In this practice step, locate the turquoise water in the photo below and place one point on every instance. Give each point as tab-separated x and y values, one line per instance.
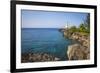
44	40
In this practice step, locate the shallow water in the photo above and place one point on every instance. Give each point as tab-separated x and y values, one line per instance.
45	40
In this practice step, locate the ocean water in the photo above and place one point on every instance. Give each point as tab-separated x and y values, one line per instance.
45	40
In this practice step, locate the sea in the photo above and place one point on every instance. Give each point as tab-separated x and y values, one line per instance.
45	40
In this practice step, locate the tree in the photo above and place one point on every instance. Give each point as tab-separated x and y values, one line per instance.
82	28
73	29
87	22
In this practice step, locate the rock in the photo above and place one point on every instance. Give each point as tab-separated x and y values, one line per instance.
80	50
46	57
86	43
76	52
38	57
56	59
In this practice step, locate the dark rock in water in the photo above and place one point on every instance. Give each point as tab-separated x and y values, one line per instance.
61	29
77	52
38	57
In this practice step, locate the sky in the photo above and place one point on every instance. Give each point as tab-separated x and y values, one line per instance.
50	19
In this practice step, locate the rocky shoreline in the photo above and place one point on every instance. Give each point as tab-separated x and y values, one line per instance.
78	51
37	57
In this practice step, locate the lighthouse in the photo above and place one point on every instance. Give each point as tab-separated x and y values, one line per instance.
66	26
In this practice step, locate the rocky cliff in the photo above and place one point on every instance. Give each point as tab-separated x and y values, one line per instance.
77	52
81	50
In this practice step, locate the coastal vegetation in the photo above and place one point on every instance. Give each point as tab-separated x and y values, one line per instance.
83	28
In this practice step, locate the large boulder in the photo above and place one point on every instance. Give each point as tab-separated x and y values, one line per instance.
77	52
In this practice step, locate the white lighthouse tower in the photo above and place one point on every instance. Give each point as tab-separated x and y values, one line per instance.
66	26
